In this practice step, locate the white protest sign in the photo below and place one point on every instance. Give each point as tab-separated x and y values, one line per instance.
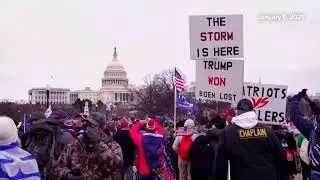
219	80
269	101
48	112
218	36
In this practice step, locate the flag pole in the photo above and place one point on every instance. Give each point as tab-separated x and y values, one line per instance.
175	104
259	79
24	123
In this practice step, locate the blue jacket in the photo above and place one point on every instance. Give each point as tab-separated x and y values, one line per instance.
309	129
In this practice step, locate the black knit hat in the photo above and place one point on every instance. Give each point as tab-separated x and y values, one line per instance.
245	105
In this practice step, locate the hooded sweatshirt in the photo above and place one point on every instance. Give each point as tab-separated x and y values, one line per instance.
253	150
15	162
246	120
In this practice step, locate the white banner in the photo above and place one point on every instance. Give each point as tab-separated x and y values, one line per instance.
219	80
269	101
218	36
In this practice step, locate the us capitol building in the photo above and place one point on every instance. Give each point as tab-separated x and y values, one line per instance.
114	89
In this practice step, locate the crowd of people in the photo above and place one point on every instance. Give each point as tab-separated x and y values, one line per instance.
210	147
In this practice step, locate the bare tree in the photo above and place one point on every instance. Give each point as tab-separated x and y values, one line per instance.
156	95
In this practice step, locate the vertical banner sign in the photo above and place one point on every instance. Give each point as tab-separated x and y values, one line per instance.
219	80
269	101
217	36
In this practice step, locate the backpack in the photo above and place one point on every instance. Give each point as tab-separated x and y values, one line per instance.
44	144
185	146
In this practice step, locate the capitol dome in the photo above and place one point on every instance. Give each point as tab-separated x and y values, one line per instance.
115	75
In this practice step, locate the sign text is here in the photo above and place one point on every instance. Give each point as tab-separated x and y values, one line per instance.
218	36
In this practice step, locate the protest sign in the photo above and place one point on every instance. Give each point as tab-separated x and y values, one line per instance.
219	80
269	101
218	36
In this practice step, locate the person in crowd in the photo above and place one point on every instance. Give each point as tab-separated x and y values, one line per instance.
310	129
16	163
66	136
107	138
128	148
28	121
213	134
181	122
67	126
153	156
90	157
116	128
79	124
173	154
228	114
304	158
288	143
20	128
212	116
181	146
133	120
252	149
200	155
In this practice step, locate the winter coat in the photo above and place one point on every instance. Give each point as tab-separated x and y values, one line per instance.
253	150
128	147
105	160
213	135
136	136
201	157
309	129
288	143
66	137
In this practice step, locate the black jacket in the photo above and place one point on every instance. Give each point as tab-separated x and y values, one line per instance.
289	144
254	153
127	146
214	134
201	157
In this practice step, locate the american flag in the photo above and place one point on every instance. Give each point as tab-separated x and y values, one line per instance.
179	82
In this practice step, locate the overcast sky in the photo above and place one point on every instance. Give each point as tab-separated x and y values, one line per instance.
73	41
